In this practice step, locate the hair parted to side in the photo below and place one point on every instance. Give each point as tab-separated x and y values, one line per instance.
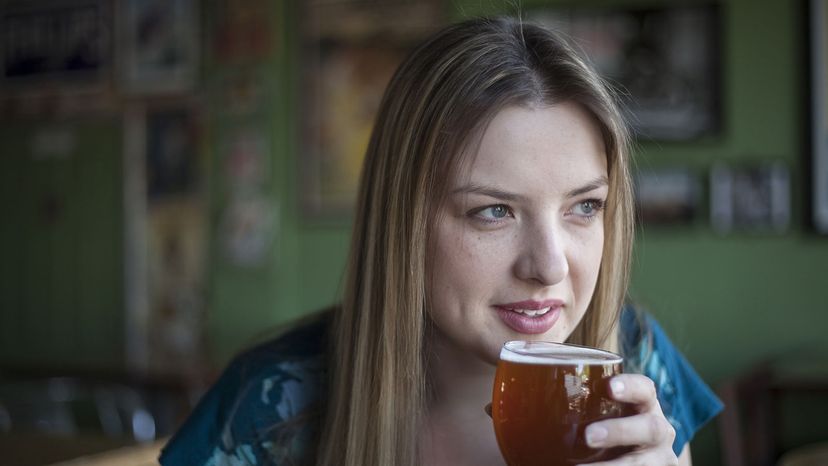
438	101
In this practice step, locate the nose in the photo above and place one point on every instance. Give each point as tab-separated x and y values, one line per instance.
543	256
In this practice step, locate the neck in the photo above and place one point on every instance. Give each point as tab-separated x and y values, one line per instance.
457	378
457	429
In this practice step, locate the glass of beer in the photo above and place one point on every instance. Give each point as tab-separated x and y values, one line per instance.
545	395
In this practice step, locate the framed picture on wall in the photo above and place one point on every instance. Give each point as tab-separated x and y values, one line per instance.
668	196
664	60
351	50
159	46
818	104
750	199
61	43
166	238
172	154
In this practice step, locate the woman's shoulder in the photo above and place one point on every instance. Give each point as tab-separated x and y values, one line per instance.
687	401
262	409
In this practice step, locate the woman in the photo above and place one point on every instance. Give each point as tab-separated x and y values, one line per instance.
494	204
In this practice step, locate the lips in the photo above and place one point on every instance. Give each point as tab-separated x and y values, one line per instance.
530	317
532	313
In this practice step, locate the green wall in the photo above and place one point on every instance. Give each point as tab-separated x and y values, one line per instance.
246	303
61	291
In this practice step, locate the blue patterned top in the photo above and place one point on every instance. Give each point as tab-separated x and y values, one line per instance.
264	408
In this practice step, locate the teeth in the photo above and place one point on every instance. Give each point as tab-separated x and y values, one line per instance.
532	313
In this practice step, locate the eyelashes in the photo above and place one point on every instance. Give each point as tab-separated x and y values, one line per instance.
590	208
585	210
492	213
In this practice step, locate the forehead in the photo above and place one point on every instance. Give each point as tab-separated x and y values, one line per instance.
546	147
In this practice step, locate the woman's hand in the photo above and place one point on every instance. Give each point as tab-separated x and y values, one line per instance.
649	431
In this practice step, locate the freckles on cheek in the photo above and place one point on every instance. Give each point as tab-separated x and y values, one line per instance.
471	254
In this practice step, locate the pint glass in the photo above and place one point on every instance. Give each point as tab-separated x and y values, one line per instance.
545	395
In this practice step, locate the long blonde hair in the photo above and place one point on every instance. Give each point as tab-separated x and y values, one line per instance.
434	107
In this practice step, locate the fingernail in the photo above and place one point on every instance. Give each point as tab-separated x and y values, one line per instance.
617	387
595	435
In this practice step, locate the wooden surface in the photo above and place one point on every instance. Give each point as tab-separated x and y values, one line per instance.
136	455
38	449
810	455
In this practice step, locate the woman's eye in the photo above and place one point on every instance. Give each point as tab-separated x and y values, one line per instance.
589	207
495	212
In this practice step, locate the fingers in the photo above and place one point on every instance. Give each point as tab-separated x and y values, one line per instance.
488	409
649	431
642	458
644	430
636	389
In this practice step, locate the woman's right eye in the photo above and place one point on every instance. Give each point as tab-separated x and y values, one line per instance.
492	213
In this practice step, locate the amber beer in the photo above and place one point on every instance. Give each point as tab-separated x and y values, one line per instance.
545	394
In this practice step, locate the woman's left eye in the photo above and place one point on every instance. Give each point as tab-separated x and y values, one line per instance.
588	208
493	213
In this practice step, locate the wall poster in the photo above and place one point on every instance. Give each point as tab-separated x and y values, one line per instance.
819	114
664	61
352	48
159	45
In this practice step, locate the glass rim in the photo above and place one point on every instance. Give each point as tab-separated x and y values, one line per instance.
549	352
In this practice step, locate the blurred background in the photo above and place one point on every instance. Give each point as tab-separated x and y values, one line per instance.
177	178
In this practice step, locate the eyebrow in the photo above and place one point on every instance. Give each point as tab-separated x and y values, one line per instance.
488	191
597	183
496	193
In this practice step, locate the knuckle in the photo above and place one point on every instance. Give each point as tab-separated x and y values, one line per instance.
657	428
650	387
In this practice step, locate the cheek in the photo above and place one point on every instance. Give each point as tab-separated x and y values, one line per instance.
590	261
465	268
584	276
452	262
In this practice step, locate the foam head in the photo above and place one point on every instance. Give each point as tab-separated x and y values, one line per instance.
545	352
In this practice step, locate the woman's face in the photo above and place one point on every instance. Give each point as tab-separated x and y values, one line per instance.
517	253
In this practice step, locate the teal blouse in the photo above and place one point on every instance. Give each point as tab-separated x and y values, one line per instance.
264	409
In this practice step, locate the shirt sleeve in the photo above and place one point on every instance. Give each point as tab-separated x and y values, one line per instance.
688	403
209	436
255	414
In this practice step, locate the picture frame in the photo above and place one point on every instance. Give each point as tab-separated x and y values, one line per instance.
242	32
664	62
166	227
58	45
750	198
337	135
351	48
668	196
818	117
172	158
159	46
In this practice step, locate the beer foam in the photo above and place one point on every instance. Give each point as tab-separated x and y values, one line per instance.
542	352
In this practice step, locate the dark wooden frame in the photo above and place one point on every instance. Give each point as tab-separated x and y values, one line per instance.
83	64
677	101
